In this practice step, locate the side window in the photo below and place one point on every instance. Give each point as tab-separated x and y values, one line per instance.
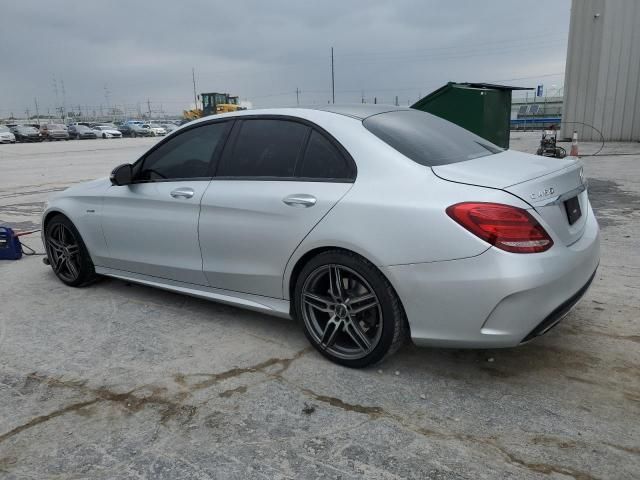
187	155
323	160
264	148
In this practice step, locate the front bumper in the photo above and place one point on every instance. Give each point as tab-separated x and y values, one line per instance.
495	299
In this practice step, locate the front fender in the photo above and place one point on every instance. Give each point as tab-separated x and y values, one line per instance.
82	204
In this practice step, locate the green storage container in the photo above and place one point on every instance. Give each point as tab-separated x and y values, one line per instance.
481	108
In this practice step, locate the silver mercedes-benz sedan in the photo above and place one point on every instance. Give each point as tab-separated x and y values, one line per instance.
369	224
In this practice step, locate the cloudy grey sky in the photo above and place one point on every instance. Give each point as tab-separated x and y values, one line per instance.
264	50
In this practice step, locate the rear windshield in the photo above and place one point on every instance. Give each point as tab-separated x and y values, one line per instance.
427	139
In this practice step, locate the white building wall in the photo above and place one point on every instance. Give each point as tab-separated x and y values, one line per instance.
602	74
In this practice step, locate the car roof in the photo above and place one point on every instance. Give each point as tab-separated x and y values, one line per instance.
359	110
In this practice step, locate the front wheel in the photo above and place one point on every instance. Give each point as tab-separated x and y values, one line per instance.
67	253
349	310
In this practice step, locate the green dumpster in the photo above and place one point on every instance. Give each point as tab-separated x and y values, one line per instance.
481	108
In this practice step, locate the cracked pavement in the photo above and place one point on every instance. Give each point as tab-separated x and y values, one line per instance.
124	381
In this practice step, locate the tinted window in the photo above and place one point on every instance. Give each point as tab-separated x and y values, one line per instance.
187	155
427	139
264	148
323	160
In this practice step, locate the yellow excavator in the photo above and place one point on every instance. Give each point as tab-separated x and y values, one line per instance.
212	104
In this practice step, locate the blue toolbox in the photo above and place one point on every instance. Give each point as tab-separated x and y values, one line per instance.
10	248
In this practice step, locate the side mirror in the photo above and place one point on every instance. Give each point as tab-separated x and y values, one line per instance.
122	175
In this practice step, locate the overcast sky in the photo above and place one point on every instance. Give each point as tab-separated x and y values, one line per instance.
130	52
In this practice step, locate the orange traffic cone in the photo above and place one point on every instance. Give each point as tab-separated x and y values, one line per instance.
574	145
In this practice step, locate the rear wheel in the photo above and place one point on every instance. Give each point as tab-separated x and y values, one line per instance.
67	253
349	310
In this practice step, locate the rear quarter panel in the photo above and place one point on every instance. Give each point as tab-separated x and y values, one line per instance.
395	212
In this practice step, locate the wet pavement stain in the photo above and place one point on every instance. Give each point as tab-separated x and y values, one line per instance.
611	202
238	390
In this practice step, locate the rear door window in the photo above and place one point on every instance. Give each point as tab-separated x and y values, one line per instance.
322	160
427	139
264	148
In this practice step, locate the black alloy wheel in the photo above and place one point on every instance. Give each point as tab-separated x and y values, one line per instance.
349	311
67	253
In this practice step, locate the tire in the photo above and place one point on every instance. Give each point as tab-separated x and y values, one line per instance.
104	136
72	266
133	135
334	319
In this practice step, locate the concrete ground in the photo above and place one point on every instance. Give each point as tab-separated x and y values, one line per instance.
123	381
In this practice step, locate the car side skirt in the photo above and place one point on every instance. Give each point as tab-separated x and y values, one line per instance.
271	306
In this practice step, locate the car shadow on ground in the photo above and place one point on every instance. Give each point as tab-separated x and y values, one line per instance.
547	355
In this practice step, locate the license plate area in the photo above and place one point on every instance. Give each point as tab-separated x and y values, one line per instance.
572	207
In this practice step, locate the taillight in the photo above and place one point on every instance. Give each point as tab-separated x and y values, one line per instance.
503	226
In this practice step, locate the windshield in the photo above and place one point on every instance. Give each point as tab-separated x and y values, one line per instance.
55	127
27	129
82	128
427	139
4	129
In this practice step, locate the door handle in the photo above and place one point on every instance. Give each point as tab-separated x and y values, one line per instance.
300	200
182	192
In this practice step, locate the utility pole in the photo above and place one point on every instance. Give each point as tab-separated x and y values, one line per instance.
297	96
195	96
27	112
362	96
333	84
55	90
64	97
396	100
149	108
35	100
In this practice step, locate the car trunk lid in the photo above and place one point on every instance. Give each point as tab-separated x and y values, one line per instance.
555	188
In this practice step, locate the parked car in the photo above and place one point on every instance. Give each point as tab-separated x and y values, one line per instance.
169	127
157	130
81	132
25	133
6	136
140	130
54	131
124	129
368	223
107	131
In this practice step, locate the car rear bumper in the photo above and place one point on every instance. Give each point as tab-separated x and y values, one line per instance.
495	299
